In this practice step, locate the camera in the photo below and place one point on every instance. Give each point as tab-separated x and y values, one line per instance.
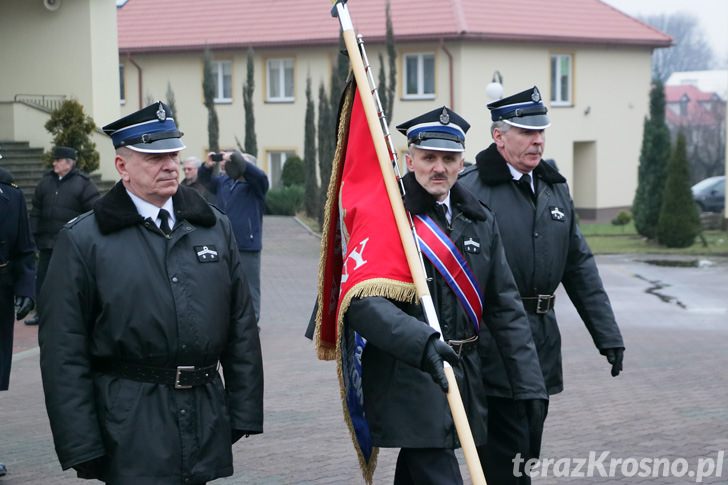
216	157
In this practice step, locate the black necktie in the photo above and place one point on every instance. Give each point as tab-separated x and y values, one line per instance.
164	224
441	211
524	183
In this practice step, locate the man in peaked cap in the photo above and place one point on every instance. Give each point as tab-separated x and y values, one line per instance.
544	248
144	300
63	193
404	383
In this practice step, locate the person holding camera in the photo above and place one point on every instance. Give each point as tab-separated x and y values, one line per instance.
240	187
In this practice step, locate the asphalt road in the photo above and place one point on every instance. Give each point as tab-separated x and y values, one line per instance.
670	403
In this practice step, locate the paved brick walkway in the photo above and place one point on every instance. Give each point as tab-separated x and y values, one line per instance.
671	402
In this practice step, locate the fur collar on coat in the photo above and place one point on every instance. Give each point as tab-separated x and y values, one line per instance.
116	211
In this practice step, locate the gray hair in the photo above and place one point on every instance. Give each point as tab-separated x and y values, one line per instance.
501	126
196	162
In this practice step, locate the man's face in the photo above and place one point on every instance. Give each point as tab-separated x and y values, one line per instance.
435	170
520	147
190	172
150	176
61	166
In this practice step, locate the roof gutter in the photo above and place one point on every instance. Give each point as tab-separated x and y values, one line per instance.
449	73
139	77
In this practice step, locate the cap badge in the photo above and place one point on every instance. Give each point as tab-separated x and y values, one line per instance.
161	114
536	96
444	117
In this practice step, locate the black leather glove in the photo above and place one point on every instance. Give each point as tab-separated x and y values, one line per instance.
91	469
615	356
534	411
23	306
435	352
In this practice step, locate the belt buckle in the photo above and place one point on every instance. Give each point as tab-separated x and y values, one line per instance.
178	376
542	303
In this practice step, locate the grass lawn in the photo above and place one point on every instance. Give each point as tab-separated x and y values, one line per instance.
611	239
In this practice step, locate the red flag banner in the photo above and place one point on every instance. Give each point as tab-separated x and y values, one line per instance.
361	255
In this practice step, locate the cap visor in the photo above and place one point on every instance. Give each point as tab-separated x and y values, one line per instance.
441	145
538	122
160	146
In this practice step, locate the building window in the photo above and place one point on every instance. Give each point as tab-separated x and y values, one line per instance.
280	80
684	101
223	78
276	161
419	76
122	86
561	80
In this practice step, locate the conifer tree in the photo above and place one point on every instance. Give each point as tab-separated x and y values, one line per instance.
311	198
392	57
171	103
678	222
654	156
251	140
326	146
71	127
208	90
339	75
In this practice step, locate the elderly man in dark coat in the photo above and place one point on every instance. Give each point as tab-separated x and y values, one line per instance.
144	300
62	194
544	248
403	406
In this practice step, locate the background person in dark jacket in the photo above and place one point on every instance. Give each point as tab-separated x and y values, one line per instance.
17	271
190	166
240	194
62	194
144	298
544	247
403	377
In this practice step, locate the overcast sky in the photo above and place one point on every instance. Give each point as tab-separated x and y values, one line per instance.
712	15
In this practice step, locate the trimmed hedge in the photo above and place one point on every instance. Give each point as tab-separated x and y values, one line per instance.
284	201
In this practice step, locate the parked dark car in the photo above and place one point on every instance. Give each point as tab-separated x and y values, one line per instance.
709	194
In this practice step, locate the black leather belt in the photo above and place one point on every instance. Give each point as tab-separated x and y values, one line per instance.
539	304
459	345
180	377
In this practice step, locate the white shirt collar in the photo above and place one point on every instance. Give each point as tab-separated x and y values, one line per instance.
517	175
151	211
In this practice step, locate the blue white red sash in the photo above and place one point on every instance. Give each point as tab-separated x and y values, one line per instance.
445	257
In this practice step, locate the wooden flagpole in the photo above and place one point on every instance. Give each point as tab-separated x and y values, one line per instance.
407	235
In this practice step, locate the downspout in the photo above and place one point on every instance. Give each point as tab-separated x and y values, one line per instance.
450	73
139	77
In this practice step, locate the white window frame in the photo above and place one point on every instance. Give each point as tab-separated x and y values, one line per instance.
218	71
276	69
557	74
284	155
420	94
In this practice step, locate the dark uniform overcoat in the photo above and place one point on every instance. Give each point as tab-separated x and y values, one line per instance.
57	201
17	266
118	290
403	405
544	248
